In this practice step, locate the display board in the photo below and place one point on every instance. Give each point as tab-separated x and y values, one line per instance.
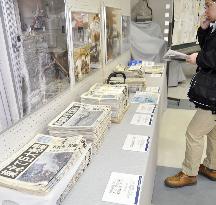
185	26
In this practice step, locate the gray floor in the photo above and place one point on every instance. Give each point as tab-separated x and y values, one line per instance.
171	150
204	193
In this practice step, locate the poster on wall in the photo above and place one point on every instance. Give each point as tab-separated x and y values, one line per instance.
81	61
86	34
113	34
41	69
185	26
125	33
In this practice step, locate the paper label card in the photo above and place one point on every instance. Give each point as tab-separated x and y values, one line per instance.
148	63
155	75
166	39
167	15
166	23
123	189
146	108
153	89
146	97
167	6
166	31
136	143
142	119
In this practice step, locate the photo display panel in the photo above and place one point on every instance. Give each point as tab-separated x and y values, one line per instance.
113	33
86	32
125	33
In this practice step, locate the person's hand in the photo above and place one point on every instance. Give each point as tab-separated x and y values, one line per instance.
192	58
204	22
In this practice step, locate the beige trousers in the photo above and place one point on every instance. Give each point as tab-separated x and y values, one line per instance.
203	123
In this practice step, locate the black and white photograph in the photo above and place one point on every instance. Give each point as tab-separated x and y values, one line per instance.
113	34
45	168
126	20
84	118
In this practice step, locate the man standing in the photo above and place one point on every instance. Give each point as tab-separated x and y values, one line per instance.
203	123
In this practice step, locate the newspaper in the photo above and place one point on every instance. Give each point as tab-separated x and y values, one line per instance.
78	171
154	68
135	77
41	164
172	55
90	121
134	71
104	94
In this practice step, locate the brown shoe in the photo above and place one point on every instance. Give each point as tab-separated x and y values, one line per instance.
180	180
209	173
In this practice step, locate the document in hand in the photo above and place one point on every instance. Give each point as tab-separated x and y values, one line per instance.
172	55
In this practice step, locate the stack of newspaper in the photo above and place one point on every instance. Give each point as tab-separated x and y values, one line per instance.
105	94
43	162
135	77
152	67
90	121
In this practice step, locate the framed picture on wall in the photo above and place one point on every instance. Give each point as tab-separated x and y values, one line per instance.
125	23
86	35
112	33
37	44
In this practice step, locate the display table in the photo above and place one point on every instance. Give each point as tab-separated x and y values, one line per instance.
90	188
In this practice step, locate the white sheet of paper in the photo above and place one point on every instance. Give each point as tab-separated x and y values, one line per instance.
166	23
167	6
166	15
146	98
166	39
148	63
155	75
123	189
146	109
142	119
166	31
153	89
136	143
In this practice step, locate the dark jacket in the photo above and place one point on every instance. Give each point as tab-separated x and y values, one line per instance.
202	91
206	59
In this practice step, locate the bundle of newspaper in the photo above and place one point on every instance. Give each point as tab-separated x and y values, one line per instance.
135	77
43	162
90	121
152	67
105	94
133	71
